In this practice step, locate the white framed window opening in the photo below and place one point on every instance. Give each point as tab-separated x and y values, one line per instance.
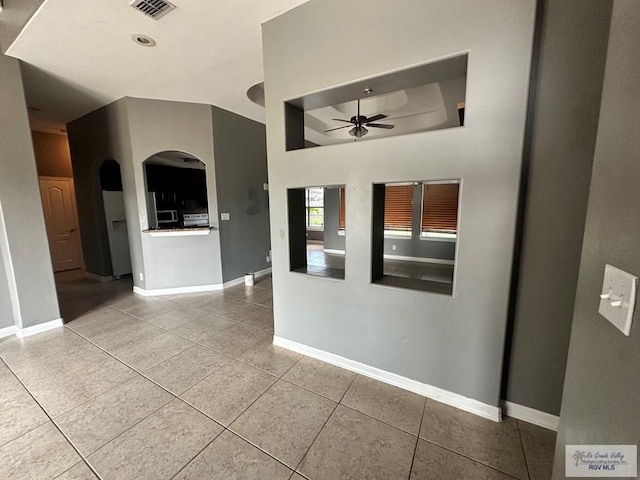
314	208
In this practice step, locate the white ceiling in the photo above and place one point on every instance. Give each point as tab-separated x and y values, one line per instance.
80	56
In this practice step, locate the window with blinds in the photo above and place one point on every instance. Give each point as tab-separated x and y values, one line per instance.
440	208
398	208
341	216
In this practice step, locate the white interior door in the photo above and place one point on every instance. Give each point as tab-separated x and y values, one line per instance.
58	201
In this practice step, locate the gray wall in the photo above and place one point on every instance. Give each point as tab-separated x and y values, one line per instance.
98	136
566	104
332	240
169	262
15	15
23	238
241	170
453	342
6	309
601	395
130	131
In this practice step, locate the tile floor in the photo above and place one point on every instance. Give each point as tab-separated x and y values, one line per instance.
190	387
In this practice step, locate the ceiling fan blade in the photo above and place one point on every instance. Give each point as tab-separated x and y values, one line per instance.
341	120
337	128
380	125
379	116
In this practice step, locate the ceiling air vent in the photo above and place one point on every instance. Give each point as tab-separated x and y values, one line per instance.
153	8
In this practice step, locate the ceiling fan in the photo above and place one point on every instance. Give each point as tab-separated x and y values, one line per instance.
359	123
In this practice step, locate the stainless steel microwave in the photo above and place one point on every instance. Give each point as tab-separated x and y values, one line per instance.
167	216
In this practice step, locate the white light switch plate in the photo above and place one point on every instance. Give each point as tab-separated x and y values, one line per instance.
225	216
618	286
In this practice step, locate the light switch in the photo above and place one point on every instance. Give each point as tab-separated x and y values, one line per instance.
225	216
618	297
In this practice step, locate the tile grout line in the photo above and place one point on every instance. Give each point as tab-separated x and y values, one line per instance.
53	422
190	405
197	454
415	449
325	424
524	453
469	458
176	397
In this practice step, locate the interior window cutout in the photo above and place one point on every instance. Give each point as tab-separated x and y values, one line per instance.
415	230
422	98
176	191
317	231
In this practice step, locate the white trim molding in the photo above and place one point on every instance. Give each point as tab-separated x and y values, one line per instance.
176	290
7	331
435	393
41	327
439	261
527	414
333	250
196	288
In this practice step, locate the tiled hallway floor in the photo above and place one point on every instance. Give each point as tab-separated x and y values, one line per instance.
190	387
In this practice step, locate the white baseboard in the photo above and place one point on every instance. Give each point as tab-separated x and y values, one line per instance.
332	250
176	290
99	278
7	331
42	327
527	414
196	288
454	399
439	261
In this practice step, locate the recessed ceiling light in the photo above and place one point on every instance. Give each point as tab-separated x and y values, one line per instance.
144	40
368	91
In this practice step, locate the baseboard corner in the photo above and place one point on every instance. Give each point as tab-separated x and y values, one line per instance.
531	415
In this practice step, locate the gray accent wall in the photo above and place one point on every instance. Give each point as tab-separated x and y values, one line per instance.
6	308
601	395
332	240
241	170
15	15
170	262
562	136
130	131
98	136
27	267
452	342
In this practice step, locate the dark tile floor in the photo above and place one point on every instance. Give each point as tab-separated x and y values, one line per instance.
191	387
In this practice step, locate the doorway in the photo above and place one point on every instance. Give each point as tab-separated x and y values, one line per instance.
61	219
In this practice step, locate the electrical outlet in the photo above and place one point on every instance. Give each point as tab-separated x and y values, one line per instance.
265	186
225	216
393	247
